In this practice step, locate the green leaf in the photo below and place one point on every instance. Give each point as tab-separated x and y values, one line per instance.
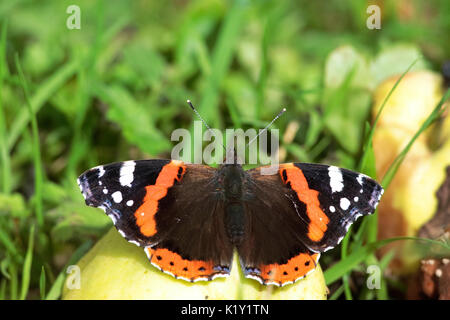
393	60
13	205
77	221
345	62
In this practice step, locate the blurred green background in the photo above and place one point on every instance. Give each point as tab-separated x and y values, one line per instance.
116	88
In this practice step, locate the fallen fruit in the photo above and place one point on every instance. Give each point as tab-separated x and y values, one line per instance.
117	269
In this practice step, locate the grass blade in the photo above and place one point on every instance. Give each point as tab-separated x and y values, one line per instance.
42	283
221	60
3	289
337	293
14	282
26	271
9	245
43	93
4	152
382	294
39	179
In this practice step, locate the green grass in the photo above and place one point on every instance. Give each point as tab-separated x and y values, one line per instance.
115	90
26	272
6	161
36	149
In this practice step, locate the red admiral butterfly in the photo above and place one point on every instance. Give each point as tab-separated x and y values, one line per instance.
189	218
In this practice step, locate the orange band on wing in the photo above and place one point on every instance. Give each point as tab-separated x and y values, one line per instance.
296	268
174	264
145	214
319	220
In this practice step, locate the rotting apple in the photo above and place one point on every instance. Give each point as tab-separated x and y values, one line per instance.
410	200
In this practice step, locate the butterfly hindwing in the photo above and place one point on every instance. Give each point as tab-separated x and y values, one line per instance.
272	250
168	208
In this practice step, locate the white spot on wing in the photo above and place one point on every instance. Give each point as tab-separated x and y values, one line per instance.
345	203
155	265
101	171
117	196
332	209
130	203
360	179
336	179
126	173
134	242
220	275
250	276
113	218
147	252
169	273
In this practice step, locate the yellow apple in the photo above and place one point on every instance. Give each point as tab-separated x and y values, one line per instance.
117	269
410	200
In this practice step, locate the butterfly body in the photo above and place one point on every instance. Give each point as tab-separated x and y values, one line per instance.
232	180
190	218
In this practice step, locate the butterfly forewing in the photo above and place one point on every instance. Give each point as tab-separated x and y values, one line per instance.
323	200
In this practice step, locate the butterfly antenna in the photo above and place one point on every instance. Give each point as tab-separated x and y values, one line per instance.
204	122
268	126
